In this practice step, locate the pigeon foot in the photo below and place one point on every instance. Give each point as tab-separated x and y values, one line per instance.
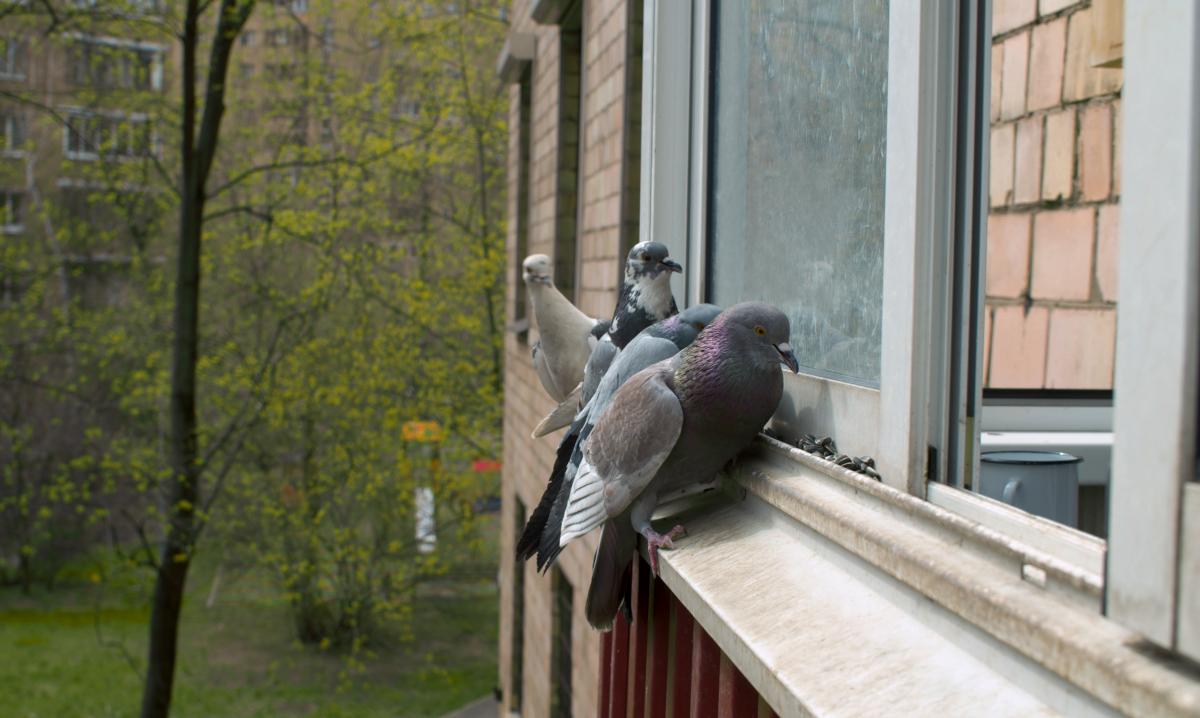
655	541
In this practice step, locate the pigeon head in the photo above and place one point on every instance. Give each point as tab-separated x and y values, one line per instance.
649	260
699	316
763	328
537	269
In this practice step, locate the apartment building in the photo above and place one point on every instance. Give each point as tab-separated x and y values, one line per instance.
944	197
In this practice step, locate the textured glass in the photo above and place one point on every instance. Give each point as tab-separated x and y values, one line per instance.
799	118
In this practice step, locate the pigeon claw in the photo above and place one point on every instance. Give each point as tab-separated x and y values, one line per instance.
655	541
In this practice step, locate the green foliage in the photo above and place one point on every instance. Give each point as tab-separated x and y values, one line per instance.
352	281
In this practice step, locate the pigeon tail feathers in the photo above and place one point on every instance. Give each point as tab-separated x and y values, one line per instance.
561	416
609	575
534	527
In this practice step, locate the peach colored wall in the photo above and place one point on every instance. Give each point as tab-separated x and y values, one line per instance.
1050	319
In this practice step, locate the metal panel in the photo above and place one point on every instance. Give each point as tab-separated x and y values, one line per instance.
660	649
681	660
1156	372
706	667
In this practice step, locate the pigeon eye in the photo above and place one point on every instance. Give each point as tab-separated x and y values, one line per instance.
645	257
760	331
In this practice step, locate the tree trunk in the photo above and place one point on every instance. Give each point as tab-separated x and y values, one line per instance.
183	489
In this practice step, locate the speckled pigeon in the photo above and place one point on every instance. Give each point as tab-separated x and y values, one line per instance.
673	424
661	340
645	298
566	335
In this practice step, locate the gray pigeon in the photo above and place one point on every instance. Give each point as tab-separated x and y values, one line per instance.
660	341
673	424
565	334
645	298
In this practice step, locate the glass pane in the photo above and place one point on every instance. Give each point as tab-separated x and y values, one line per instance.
1050	310
796	183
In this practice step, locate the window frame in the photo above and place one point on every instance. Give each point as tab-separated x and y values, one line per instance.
917	216
1153	568
11	208
921	403
15	58
14	128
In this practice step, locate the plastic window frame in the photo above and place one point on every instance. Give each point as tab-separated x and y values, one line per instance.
891	423
1153	568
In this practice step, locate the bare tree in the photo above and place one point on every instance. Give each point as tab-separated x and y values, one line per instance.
197	149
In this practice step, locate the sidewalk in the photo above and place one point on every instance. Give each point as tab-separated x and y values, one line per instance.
483	708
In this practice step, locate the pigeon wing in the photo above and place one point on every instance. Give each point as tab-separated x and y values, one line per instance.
629	443
543	372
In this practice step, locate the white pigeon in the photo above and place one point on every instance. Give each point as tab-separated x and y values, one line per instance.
565	337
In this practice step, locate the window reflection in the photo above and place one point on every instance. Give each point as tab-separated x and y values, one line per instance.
799	101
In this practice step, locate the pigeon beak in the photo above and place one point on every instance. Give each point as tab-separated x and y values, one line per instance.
787	357
671	265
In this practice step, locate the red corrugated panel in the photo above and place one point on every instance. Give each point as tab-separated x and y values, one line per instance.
736	697
660	636
681	685
706	670
619	691
606	651
641	632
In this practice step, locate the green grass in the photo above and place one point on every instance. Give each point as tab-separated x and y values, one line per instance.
79	651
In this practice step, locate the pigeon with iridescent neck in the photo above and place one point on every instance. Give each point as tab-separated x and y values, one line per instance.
645	298
566	335
659	341
671	425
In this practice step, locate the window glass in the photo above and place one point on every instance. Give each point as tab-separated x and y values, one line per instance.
799	121
1053	213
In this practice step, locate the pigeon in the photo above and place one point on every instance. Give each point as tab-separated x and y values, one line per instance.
565	334
645	298
660	341
671	425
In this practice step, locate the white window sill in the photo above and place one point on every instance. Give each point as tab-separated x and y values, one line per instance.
837	595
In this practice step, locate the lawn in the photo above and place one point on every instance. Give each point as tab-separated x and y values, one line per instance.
79	651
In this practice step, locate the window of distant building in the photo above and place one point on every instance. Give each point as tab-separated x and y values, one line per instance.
12	218
568	198
89	136
517	673
111	65
14	52
564	601
520	300
12	132
247	37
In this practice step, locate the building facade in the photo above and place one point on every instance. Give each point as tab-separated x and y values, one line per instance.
944	198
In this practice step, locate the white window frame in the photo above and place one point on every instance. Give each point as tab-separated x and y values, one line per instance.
157	51
10	120
888	423
1152	558
1154	545
130	120
6	198
16	50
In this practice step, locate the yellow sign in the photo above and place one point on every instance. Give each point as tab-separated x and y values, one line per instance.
422	431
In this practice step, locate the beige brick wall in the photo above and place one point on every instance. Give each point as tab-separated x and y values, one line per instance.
1050	319
604	162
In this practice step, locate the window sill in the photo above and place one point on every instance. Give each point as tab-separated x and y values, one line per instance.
835	594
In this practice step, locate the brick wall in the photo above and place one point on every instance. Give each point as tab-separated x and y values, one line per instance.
1050	320
603	162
